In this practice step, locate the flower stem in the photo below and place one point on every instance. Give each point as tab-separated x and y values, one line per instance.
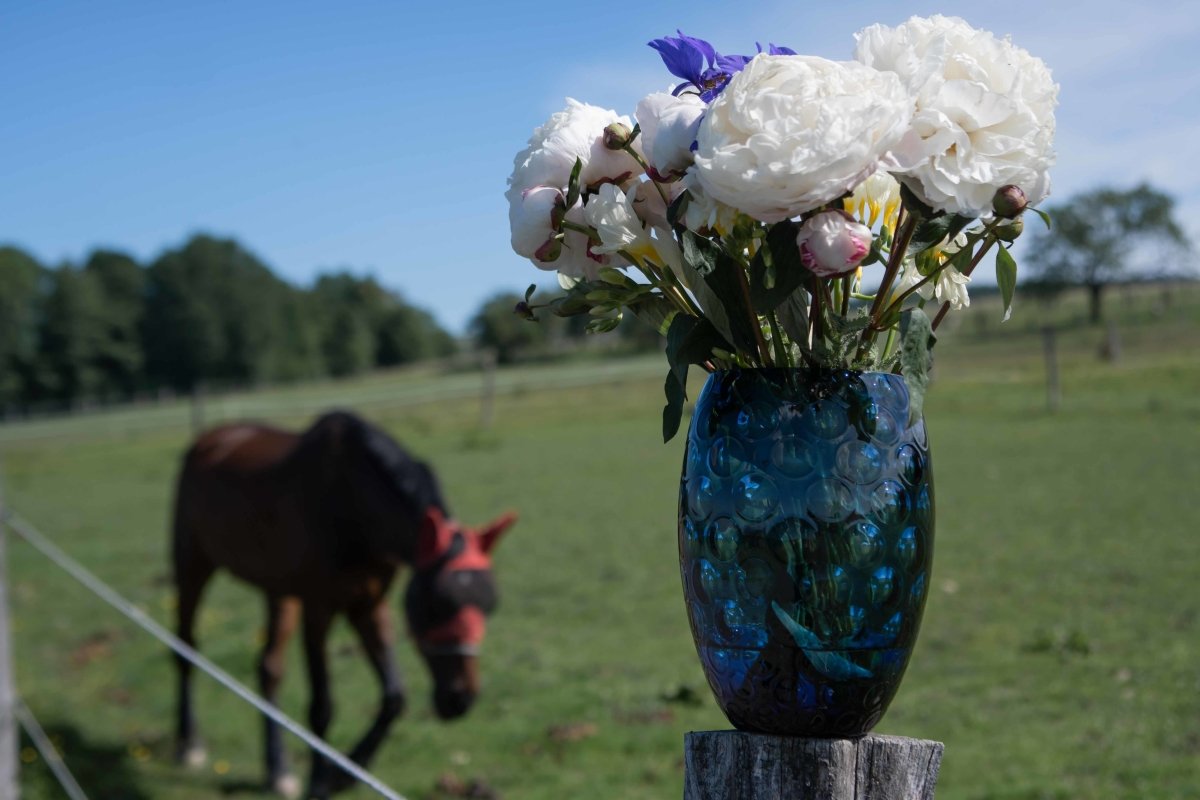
628	148
846	292
906	225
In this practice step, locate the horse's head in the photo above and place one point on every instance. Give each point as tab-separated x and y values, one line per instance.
451	593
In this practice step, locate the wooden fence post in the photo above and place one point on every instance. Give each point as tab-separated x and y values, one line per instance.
9	786
732	765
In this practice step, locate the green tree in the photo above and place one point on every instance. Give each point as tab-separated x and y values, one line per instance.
407	333
216	313
496	326
22	286
72	337
1104	235
122	285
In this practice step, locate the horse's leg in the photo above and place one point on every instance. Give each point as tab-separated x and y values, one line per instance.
282	615
191	575
317	620
374	626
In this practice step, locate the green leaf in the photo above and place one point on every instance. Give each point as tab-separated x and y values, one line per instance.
719	271
773	281
916	358
914	203
1006	277
673	410
678	208
1045	217
573	184
655	310
529	292
931	232
614	276
792	314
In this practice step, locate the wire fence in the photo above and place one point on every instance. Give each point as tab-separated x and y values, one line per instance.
59	558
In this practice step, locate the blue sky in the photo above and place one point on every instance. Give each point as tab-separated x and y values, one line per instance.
378	136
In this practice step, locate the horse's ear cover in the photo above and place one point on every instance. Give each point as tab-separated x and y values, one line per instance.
491	533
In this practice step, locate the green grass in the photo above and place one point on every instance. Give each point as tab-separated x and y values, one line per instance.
1058	658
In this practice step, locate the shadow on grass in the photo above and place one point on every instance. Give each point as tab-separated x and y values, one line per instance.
101	769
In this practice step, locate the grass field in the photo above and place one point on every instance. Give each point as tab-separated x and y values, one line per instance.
1060	655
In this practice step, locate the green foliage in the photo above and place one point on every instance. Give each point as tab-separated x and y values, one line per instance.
495	326
916	359
208	312
21	297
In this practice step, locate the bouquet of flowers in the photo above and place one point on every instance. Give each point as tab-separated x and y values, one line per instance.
781	210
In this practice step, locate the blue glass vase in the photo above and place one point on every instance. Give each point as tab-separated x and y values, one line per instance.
805	543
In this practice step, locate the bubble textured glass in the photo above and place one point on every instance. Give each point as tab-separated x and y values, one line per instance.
805	544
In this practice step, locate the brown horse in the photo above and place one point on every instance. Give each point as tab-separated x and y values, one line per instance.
321	521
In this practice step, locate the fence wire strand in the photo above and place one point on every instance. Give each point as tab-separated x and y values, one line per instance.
49	752
143	620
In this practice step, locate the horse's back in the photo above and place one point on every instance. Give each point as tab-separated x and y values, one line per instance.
237	504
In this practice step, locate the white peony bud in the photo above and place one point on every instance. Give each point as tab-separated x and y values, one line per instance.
831	243
531	219
669	125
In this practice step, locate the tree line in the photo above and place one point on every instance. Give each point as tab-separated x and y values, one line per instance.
207	313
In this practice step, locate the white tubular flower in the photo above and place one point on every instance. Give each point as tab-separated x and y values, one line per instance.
831	243
877	199
951	287
612	214
531	219
984	110
577	132
703	214
669	125
792	133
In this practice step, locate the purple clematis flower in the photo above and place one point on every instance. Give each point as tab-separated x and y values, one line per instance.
699	64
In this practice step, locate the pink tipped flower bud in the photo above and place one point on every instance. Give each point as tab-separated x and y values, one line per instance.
832	243
1009	201
616	135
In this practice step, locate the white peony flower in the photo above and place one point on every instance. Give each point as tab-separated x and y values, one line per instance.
669	124
984	115
575	259
531	219
831	243
650	205
576	132
877	199
791	133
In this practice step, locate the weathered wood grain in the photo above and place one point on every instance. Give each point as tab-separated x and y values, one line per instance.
732	765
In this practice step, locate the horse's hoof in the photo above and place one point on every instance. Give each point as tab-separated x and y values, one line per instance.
287	786
192	755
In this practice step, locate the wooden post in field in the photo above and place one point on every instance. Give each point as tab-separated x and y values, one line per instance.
1053	390
487	412
9	788
732	765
